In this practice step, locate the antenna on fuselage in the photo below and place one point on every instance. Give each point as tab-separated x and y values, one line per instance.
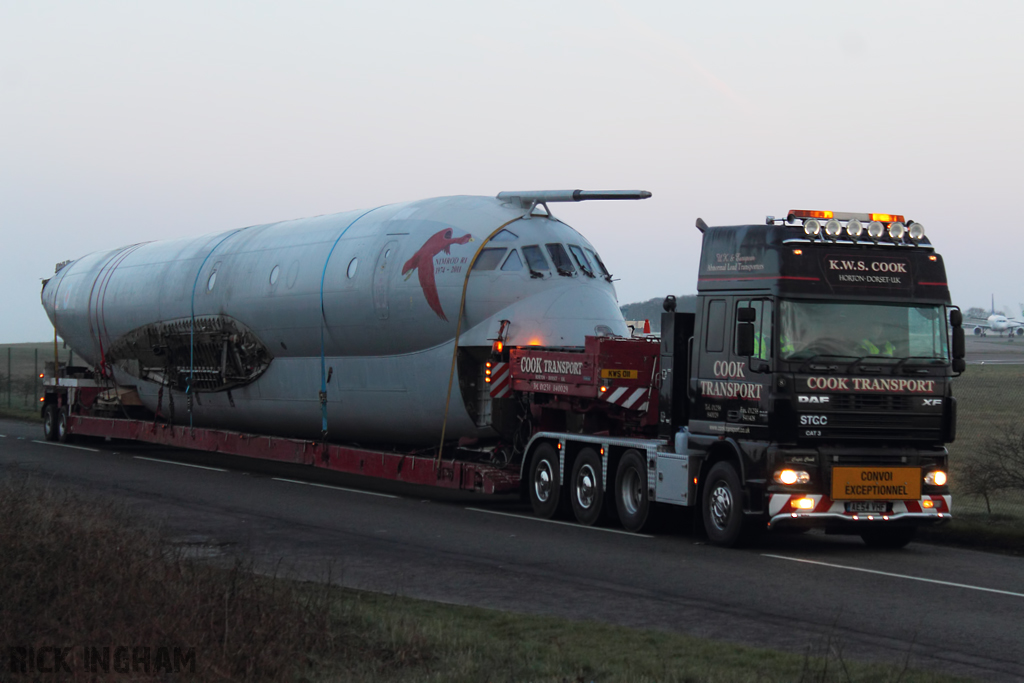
528	201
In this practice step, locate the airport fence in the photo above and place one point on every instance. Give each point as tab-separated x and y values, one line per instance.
987	457
20	367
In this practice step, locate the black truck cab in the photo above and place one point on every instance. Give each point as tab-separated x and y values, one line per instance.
822	354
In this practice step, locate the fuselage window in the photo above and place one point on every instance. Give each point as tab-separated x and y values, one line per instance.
535	258
352	265
505	236
561	259
489	259
513	262
581	259
600	264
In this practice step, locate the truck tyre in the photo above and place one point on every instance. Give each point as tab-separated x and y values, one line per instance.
722	506
587	488
545	484
63	435
631	497
50	418
896	537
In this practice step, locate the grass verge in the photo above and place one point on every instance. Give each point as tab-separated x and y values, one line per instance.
80	574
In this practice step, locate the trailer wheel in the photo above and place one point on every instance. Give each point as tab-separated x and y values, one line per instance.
545	486
50	419
723	506
63	435
896	537
587	488
631	499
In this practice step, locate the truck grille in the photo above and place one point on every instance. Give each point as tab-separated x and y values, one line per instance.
885	402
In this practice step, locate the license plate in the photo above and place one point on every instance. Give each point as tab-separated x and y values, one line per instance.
867	506
876	483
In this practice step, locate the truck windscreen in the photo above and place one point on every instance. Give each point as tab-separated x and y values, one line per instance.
809	329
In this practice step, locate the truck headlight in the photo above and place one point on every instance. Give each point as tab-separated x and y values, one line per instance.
935	478
789	477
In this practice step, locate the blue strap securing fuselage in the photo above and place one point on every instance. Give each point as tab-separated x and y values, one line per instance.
192	327
323	324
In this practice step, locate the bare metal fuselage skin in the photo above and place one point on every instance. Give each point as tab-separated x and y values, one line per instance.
256	321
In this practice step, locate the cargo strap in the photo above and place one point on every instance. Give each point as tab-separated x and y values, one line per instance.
458	330
323	324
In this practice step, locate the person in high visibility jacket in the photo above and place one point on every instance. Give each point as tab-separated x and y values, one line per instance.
874	343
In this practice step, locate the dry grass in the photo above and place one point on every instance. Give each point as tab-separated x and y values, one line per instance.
79	571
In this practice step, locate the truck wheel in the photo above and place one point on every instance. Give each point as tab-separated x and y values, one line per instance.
896	537
63	435
631	499
587	487
723	506
545	486
50	422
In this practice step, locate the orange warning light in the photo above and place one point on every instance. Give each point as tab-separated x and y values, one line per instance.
803	213
886	217
498	346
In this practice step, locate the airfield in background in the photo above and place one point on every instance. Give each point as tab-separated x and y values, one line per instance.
994	349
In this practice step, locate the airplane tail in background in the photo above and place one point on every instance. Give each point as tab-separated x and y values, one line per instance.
993	312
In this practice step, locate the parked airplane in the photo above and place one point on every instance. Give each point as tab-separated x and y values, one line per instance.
997	322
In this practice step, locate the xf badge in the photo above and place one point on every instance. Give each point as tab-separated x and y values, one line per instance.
932	401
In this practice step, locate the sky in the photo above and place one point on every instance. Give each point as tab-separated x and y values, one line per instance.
123	122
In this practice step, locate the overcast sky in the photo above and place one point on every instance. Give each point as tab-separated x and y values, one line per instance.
123	122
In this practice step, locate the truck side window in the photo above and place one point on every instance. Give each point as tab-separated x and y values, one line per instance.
762	327
715	341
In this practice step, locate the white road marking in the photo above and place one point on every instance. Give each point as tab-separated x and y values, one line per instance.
336	488
183	464
66	445
555	521
898	576
3	436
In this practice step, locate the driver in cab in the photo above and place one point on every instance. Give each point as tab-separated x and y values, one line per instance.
875	341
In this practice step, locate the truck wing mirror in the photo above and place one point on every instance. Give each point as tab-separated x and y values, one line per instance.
745	338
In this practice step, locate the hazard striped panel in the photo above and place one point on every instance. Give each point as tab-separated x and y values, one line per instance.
633	398
501	380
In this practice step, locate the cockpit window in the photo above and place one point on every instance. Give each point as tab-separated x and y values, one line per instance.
535	258
581	259
513	262
561	259
600	264
505	236
489	259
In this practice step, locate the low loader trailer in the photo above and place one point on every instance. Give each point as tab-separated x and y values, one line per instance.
809	386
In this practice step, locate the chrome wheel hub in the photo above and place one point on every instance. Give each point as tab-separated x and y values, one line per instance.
721	505
586	487
631	492
543	477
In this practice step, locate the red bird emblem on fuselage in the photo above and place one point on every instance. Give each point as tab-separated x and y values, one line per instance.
423	262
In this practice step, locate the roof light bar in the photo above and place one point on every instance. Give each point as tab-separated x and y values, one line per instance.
845	216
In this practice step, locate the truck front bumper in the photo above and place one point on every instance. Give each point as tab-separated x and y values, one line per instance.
822	511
